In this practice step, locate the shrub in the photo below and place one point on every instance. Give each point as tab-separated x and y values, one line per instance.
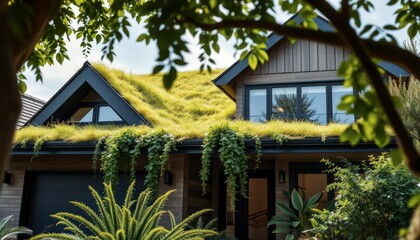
135	219
372	205
409	95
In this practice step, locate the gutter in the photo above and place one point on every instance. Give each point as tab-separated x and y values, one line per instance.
194	146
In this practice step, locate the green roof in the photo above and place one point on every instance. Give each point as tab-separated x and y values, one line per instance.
187	110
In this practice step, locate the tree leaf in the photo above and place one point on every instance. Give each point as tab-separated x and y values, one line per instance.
252	61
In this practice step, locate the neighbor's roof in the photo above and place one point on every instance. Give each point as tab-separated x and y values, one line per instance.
187	110
30	105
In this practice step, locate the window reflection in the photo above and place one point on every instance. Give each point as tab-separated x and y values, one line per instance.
258	105
83	115
107	114
284	103
314	104
340	116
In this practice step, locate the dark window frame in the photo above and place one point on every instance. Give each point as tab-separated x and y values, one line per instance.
269	87
95	117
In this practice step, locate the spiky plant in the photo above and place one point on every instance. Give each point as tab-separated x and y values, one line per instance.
7	232
135	219
211	226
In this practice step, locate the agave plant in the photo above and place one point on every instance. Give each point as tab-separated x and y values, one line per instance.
135	219
295	221
7	232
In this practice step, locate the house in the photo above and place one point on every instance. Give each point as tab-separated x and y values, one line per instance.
53	162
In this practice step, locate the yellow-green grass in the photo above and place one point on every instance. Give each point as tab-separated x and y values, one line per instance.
187	111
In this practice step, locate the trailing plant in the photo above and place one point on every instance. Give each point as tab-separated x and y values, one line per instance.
231	148
134	219
7	232
296	220
280	138
126	145
97	153
368	205
37	146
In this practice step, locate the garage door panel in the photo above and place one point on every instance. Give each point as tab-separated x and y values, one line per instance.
49	193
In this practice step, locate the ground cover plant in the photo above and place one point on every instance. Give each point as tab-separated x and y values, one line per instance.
371	201
134	219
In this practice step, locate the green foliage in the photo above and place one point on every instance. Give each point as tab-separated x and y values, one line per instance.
7	232
408	94
126	145
37	146
211	226
373	120
230	146
135	219
368	205
297	219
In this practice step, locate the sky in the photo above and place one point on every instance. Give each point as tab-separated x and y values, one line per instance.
138	58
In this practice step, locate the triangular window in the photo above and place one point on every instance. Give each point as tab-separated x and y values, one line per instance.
83	115
107	114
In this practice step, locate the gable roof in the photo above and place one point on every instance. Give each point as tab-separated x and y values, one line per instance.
30	105
323	25
188	110
83	81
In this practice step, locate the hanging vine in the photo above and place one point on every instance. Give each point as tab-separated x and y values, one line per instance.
126	145
231	148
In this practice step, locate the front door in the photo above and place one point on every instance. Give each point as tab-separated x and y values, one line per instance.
252	214
311	178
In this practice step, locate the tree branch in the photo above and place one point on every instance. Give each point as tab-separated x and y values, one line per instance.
381	50
44	12
360	49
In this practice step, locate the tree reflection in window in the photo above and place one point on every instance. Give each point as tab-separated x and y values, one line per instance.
285	107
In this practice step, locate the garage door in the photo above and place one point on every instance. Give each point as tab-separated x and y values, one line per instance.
49	193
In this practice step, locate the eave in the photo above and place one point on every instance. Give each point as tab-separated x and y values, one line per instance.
194	146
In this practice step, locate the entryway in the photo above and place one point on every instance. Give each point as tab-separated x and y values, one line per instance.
252	214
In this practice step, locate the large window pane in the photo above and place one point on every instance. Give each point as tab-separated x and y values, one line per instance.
83	115
107	114
284	102
340	116
313	104
258	105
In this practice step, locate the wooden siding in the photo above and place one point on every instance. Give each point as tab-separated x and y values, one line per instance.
303	61
302	56
11	196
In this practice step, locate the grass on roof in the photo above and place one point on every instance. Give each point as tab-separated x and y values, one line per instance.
187	110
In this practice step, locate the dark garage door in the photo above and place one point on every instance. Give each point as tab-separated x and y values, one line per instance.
49	193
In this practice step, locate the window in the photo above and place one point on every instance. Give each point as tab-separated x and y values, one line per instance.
107	114
83	115
308	102
338	91
95	113
284	103
258	105
313	104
